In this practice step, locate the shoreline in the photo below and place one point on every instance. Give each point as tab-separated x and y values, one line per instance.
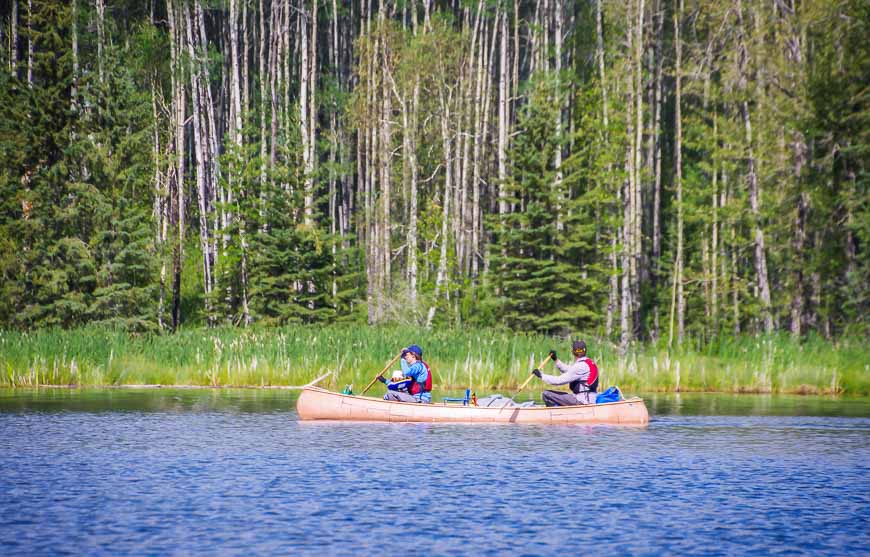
797	392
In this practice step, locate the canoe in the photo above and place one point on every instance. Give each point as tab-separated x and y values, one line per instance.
319	404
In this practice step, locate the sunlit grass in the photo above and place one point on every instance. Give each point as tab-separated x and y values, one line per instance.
479	358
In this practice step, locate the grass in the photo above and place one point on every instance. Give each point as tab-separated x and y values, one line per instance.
480	358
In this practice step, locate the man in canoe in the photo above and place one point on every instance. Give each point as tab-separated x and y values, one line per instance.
580	376
414	368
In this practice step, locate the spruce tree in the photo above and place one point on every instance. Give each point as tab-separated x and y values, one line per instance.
538	273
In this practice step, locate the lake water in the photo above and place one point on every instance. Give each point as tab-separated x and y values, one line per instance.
207	472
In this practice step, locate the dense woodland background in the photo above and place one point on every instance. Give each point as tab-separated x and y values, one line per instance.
649	170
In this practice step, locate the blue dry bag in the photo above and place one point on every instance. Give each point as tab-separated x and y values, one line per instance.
610	395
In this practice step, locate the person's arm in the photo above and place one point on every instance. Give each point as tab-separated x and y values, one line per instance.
417	372
405	367
561	366
570	373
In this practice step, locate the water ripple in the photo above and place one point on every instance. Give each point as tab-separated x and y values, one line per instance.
216	480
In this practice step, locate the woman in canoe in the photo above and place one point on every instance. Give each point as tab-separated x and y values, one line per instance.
414	368
580	376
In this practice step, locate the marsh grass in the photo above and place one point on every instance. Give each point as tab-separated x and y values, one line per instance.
481	358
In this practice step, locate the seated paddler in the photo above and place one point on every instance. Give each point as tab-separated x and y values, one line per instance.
418	375
581	376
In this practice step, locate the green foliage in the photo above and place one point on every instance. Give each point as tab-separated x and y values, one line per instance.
539	255
78	245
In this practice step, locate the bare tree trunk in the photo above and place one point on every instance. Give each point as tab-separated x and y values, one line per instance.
534	39
30	43
445	214
13	40
735	282
502	119
385	157
262	79
75	59
613	292
210	141
657	156
235	93
312	116
466	117
636	203
627	305
515	83
178	113
799	241
333	155
714	244
101	17
752	180
235	173
276	33
557	162
199	151
678	181
246	47
304	114
477	223
410	124
160	203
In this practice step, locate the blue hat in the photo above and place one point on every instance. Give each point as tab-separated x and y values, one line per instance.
416	350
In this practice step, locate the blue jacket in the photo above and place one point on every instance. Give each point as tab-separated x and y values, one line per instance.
418	373
402	386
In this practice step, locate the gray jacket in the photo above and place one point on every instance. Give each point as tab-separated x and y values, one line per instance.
578	371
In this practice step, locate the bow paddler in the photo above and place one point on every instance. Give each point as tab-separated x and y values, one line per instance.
419	374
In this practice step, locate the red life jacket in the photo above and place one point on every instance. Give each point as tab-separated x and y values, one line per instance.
427	385
591	383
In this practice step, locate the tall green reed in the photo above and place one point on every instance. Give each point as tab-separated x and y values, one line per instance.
477	358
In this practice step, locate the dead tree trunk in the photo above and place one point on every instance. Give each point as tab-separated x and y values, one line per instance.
677	299
752	178
178	118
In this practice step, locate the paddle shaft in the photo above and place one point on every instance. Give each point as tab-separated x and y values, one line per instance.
523	386
386	367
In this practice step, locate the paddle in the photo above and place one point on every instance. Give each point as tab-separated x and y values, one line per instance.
386	367
523	386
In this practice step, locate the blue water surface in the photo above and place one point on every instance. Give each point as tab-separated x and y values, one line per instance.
235	473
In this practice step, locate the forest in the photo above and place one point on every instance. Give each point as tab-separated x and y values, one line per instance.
654	171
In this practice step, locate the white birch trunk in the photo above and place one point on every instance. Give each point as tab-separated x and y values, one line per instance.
502	119
304	128
13	40
445	213
199	151
101	16
678	181
30	43
754	187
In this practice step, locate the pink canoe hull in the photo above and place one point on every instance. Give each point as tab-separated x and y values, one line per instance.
319	404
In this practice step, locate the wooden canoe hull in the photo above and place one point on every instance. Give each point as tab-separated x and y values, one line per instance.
319	404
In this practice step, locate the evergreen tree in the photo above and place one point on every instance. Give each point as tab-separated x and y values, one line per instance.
539	275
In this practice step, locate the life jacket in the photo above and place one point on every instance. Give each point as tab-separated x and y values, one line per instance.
416	388
591	383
